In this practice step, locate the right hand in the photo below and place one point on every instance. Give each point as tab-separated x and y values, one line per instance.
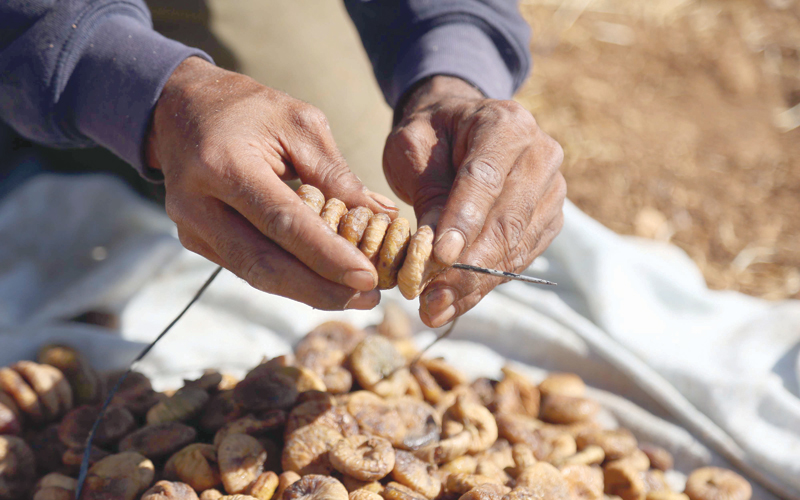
225	144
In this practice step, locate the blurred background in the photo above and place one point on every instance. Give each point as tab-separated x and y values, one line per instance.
680	122
679	118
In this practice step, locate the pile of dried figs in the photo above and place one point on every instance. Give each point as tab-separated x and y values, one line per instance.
344	418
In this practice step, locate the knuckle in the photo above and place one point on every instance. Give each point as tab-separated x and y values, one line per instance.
555	153
174	209
309	118
510	229
281	223
515	112
485	174
408	141
428	195
336	175
561	188
188	241
255	268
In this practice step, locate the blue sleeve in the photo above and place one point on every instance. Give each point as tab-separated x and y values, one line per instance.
76	73
484	42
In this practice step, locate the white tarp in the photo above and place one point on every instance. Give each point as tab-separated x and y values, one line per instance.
708	374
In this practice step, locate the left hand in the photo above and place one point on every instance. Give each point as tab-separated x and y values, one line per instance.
485	176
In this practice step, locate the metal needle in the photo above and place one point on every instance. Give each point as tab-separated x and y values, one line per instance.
503	274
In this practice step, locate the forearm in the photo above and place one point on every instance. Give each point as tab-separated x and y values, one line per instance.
482	42
77	73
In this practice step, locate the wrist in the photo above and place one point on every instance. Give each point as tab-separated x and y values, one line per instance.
190	75
431	90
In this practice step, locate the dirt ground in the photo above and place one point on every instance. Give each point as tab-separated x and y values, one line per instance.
680	122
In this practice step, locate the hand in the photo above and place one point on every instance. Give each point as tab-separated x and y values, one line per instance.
488	175
224	144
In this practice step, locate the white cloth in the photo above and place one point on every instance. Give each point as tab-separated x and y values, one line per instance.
706	374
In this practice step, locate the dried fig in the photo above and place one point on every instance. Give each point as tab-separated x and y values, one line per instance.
76	425
332	213
714	483
368	458
166	490
17	467
316	487
353	224
185	404
195	465
263	488
418	268
306	449
158	440
373	236
393	253
87	385
241	460
123	476
312	197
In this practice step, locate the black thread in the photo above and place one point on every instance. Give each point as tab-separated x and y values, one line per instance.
88	450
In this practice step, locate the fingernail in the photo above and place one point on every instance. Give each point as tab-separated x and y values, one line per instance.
359	280
383	201
364	300
443	317
438	300
449	247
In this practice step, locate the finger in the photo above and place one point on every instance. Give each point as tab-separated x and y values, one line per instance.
317	161
275	210
264	265
457	291
482	286
493	145
192	242
529	185
418	166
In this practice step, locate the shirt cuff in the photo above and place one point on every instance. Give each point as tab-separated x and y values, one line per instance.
461	50
123	67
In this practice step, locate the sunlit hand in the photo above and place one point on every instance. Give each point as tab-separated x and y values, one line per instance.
487	173
224	144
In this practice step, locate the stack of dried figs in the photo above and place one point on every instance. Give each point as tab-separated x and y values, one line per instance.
344	418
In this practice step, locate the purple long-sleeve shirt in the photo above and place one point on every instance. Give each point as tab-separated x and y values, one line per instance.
77	73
